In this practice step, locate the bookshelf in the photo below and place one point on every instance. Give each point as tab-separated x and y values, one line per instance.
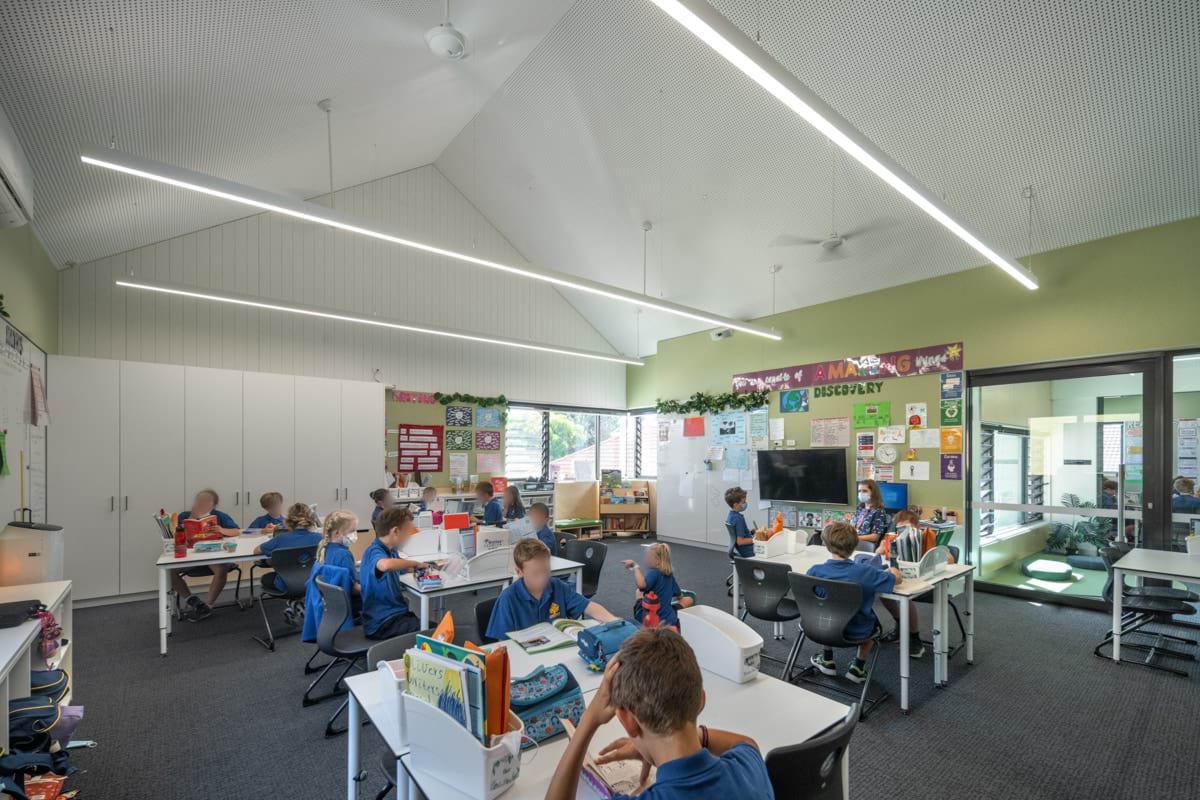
625	509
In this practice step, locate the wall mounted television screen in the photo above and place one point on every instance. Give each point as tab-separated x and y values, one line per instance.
804	476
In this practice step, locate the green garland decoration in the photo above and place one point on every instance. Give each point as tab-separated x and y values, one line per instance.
470	399
704	403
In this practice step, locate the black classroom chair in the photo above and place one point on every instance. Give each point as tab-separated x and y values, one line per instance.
812	770
591	554
765	589
391	650
826	607
348	647
292	565
483	615
562	537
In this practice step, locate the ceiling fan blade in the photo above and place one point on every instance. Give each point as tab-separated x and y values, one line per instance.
789	240
836	254
874	226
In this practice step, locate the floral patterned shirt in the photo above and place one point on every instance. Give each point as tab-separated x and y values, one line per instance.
870	520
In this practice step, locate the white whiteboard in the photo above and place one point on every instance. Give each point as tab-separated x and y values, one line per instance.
17	354
691	494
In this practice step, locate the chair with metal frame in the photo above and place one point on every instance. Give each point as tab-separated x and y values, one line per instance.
812	770
292	566
562	537
348	647
732	553
826	608
1139	612
766	591
391	650
591	554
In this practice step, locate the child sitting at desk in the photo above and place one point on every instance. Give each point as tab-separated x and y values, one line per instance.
301	528
485	494
536	597
385	614
655	690
658	577
539	516
272	504
204	504
340	533
906	522
742	537
383	501
841	540
513	507
429	500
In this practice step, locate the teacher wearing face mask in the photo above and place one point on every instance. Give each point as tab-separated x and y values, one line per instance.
870	520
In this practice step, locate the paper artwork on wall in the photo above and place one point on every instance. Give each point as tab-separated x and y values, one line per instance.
920	438
419	448
693	426
664	430
793	400
872	415
864	470
952	440
458	465
808	518
487	418
916	415
715	453
487	440
459	440
951	467
914	470
729	428
489	463
892	434
833	515
776	426
758	429
458	416
830	432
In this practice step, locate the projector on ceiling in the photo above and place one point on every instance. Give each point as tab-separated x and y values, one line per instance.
446	41
720	333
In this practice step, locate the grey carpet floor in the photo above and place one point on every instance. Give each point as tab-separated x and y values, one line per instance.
1037	716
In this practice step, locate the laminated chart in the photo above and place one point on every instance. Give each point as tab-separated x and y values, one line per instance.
420	448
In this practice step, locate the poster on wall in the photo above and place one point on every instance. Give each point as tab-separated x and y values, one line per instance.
737	458
793	400
458	416
914	470
1133	443
916	415
872	415
885	473
897	364
459	466
729	427
664	431
951	412
864	470
830	432
487	418
951	467
892	434
776	425
1186	439
832	515
489	463
809	518
952	385
864	443
920	438
693	426
758	429
419	448
951	440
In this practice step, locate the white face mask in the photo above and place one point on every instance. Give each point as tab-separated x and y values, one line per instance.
864	497
351	537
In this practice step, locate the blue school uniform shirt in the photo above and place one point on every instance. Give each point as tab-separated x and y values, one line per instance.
263	521
338	555
873	580
223	519
666	589
382	597
289	539
738	772
492	515
516	608
741	531
375	514
546	537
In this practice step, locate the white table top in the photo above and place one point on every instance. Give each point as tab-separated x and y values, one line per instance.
522	663
1167	563
557	566
774	713
244	552
15	641
810	555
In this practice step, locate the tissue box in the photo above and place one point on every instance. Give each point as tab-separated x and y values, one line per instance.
723	643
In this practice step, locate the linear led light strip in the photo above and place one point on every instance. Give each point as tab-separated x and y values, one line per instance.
740	50
247	195
313	311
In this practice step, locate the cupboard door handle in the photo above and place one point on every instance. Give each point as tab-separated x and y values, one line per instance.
112	502
247	498
237	498
126	502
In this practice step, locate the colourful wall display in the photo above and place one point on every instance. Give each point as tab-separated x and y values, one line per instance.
896	364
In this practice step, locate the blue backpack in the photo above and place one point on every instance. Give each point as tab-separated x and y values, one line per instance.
599	643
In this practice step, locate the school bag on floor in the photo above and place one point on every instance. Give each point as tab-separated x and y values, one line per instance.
543	699
29	722
599	643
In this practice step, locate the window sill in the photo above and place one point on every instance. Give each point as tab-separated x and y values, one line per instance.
1010	533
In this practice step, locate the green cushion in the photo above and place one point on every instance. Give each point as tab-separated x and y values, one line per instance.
1047	570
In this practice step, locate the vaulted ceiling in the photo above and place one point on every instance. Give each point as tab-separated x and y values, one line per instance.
571	123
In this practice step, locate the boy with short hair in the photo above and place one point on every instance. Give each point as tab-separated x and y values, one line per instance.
429	500
743	537
539	516
840	540
536	597
655	690
385	614
485	494
272	504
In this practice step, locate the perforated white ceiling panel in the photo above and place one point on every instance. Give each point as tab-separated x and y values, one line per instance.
621	115
230	88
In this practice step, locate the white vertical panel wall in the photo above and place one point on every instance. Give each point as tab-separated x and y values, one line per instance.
279	258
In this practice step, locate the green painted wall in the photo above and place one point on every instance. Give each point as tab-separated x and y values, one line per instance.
29	284
1131	292
432	414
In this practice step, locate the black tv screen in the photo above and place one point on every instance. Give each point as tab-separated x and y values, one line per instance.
803	476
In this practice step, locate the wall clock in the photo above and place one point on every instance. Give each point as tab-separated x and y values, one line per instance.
886	454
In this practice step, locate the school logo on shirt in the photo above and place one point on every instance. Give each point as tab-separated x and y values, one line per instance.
554	610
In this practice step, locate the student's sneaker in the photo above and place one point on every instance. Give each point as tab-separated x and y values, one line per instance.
891	636
824	666
856	673
293	614
196	609
916	648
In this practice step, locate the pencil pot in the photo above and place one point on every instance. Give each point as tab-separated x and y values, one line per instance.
448	753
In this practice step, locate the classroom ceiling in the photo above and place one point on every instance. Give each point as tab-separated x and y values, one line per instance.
231	89
574	120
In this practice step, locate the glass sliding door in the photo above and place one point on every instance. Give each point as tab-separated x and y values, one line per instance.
1183	494
1059	469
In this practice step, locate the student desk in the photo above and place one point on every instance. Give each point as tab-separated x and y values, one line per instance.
458	585
772	712
377	699
17	654
1148	564
938	584
167	562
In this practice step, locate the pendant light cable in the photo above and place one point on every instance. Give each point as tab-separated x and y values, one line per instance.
326	105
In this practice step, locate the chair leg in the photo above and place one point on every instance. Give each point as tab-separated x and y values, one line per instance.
309	667
867	684
385	791
339	687
790	665
308	700
331	730
269	642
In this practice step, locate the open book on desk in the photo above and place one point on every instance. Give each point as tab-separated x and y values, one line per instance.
549	635
609	780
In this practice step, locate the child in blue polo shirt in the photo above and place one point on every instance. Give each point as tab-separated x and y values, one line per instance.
659	717
385	614
743	538
340	533
429	500
485	494
513	508
272	504
841	540
659	577
301	528
539	516
193	608
383	501
537	597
